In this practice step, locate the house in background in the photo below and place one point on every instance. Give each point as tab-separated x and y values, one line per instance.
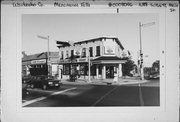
37	64
105	55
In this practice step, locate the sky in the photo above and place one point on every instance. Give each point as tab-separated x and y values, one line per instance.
79	27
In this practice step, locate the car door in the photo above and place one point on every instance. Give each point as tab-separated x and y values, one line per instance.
33	81
39	81
36	81
43	80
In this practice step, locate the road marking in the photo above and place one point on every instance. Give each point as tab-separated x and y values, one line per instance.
104	96
39	90
140	96
42	98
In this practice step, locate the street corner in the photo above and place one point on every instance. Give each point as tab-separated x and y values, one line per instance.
100	83
131	82
76	82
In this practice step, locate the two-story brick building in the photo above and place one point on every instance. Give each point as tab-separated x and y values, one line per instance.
105	55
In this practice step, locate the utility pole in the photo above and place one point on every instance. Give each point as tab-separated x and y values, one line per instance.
141	52
48	55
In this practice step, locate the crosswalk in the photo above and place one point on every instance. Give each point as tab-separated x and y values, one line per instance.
25	103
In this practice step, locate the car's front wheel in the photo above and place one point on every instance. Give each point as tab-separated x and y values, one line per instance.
44	87
58	87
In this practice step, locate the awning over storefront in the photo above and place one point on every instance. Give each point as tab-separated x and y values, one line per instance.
109	60
99	60
73	61
34	62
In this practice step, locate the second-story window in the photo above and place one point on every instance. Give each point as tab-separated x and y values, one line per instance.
72	53
97	50
83	52
91	51
62	55
67	54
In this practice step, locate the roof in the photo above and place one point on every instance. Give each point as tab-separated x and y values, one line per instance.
39	56
109	58
64	44
100	38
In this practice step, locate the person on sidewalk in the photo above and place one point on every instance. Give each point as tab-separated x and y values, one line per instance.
115	77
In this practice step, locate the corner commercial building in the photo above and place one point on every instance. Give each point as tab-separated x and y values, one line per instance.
105	55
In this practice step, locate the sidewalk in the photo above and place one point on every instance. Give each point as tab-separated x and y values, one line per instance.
121	81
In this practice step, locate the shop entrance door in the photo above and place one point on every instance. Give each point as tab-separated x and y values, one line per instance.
109	71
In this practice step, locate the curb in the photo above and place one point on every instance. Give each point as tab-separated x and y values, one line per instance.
119	83
104	82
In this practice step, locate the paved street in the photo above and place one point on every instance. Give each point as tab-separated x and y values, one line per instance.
146	94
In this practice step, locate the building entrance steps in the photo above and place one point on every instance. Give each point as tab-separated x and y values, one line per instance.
121	81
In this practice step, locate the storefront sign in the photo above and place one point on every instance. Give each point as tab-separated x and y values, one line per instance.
68	61
77	52
82	60
96	62
64	61
109	47
43	61
74	61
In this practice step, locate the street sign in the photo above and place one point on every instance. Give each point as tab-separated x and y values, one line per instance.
82	60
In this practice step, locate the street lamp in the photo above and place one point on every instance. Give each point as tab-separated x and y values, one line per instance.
48	60
141	54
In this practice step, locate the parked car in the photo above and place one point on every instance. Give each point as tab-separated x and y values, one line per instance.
25	91
27	78
44	82
152	75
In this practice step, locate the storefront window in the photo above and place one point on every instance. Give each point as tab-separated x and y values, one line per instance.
100	70
83	69
93	70
66	69
73	69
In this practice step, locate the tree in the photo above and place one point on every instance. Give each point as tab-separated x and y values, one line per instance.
155	66
128	67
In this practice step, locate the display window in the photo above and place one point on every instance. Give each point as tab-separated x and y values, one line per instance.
83	69
66	69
